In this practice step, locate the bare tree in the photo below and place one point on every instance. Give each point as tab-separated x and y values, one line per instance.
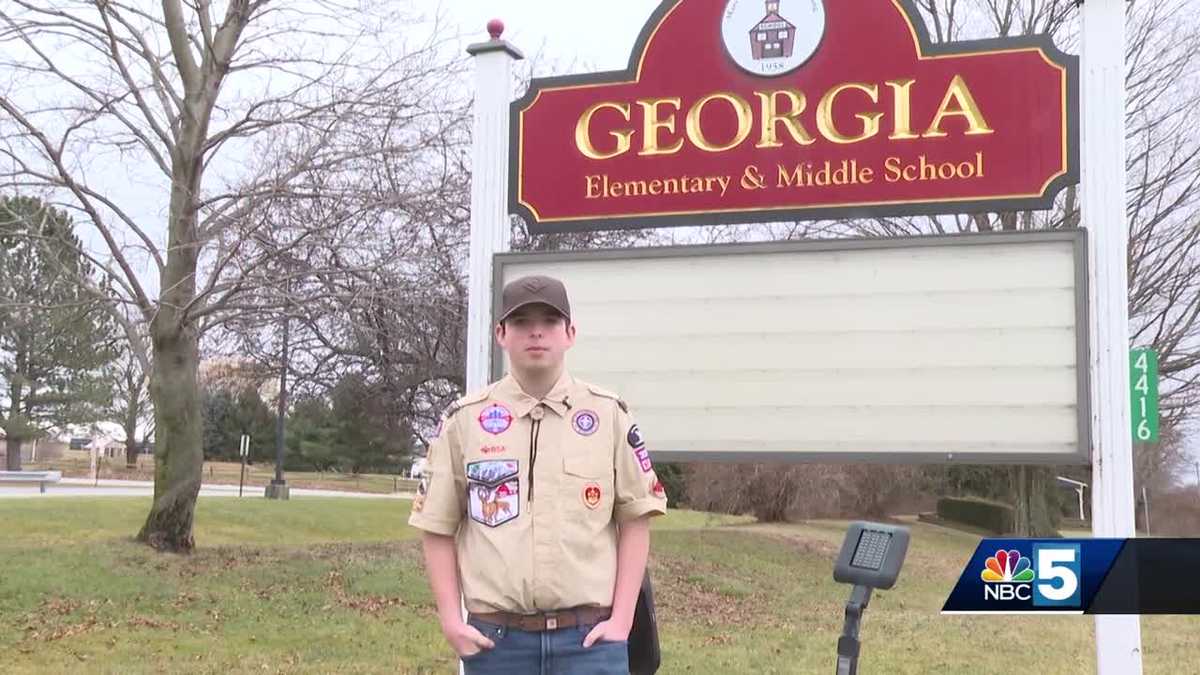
131	406
218	108
1163	167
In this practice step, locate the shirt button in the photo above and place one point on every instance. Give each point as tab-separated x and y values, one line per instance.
538	412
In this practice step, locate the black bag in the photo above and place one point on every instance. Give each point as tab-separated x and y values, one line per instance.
644	655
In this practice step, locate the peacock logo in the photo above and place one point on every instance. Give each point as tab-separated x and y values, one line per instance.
1007	567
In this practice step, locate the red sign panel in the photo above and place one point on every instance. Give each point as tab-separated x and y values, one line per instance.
763	110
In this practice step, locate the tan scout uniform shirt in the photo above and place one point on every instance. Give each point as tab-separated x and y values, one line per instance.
533	491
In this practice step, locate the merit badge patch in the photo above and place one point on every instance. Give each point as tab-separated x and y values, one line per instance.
591	495
634	437
585	422
494	491
495	419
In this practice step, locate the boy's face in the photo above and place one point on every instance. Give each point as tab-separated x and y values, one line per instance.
536	338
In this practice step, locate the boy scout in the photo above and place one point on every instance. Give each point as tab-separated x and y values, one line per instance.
537	498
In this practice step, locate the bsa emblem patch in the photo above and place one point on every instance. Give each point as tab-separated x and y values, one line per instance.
493	491
495	419
634	438
493	449
585	422
772	37
591	495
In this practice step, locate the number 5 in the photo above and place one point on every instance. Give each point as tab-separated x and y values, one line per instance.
1048	568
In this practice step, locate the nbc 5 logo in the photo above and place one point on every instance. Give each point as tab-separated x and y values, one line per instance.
1058	575
1050	579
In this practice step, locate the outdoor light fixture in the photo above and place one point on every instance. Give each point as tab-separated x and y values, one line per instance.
871	557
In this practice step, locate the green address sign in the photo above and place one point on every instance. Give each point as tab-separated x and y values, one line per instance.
1143	395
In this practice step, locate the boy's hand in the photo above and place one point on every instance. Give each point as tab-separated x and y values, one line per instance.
465	639
607	631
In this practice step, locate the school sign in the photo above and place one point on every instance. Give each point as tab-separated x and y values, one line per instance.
752	110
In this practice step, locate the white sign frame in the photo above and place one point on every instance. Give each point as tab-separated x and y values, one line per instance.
909	255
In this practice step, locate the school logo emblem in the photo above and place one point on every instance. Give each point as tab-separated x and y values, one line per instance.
772	37
585	422
591	495
495	419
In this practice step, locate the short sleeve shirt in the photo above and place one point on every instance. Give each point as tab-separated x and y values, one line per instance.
533	491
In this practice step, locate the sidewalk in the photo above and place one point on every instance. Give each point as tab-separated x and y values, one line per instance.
85	487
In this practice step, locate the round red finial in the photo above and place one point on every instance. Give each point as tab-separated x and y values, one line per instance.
495	28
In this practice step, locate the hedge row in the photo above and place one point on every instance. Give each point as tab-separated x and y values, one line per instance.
991	516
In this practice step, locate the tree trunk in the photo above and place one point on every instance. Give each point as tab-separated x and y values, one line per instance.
1033	510
131	452
178	452
12	446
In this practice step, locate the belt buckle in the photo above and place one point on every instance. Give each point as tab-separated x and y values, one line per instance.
552	622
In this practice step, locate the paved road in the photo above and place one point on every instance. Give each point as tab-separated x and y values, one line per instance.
82	487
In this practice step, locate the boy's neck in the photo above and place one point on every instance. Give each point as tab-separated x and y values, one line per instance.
538	383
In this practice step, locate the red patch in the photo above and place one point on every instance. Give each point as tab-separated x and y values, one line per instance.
591	495
656	487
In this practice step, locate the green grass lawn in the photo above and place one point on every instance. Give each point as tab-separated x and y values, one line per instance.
331	585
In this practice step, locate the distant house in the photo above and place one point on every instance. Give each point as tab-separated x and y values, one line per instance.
774	37
39	450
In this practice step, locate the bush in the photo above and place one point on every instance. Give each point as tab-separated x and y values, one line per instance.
780	492
673	482
991	516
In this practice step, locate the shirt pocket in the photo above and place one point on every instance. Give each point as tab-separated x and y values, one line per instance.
587	463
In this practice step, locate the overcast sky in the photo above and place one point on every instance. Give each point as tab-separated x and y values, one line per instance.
596	35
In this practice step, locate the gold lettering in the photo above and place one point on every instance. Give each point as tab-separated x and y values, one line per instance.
583	135
928	171
789	179
791	120
656	187
593	187
745	121
893	172
653	123
902	110
870	121
965	106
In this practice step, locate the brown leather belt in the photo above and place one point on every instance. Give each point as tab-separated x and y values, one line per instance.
536	623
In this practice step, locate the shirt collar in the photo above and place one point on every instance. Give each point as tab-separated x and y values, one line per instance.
558	400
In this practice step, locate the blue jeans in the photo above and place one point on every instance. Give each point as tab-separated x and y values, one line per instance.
552	652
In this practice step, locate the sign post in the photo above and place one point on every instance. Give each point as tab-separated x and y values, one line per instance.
244	451
1102	194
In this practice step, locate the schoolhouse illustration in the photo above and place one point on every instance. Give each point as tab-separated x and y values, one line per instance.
774	36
